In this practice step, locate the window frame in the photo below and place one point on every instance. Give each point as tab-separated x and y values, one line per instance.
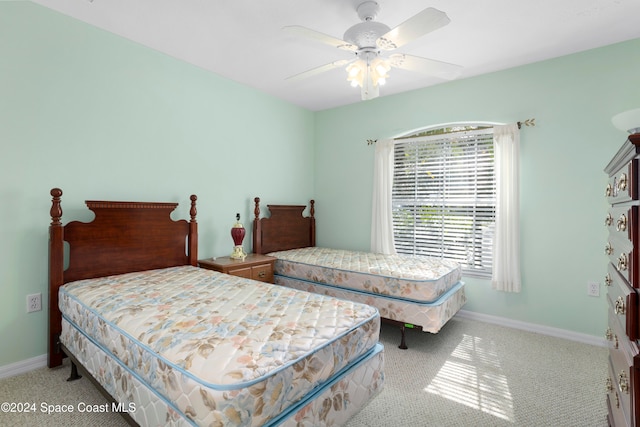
482	218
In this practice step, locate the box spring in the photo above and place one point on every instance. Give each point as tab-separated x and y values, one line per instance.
431	316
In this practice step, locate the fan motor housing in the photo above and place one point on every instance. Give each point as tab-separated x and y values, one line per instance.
365	33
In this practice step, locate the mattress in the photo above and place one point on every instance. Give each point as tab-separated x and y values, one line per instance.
430	316
213	348
410	278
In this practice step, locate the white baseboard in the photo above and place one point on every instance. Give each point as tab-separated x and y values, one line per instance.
23	366
532	327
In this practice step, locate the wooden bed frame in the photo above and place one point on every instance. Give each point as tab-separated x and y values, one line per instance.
123	237
286	229
128	237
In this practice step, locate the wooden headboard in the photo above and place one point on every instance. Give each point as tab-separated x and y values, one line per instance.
285	229
123	237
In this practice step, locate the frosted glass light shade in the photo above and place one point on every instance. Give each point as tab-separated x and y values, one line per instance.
627	121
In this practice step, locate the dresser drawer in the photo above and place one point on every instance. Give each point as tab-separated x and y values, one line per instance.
622	186
621	380
622	222
623	257
616	335
620	347
622	246
617	414
623	300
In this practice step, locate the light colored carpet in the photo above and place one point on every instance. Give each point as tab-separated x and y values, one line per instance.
478	374
469	374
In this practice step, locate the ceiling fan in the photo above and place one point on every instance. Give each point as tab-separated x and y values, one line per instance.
369	38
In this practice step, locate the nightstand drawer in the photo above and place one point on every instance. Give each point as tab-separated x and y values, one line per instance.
256	267
240	272
263	272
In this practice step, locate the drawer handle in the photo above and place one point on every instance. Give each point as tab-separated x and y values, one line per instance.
609	334
624	383
619	306
609	385
622	183
623	263
622	223
608	220
609	191
262	274
607	280
608	249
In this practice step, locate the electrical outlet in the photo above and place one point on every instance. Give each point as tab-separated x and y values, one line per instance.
34	303
593	289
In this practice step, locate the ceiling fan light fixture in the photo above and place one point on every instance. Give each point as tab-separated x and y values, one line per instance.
368	75
379	69
356	73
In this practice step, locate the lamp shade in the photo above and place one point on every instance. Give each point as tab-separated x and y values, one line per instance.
628	121
369	74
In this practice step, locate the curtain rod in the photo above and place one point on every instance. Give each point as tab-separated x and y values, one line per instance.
528	122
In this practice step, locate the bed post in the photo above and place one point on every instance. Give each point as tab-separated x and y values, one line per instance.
312	212
192	250
56	278
257	229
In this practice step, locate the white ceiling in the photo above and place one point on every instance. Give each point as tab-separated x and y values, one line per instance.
244	41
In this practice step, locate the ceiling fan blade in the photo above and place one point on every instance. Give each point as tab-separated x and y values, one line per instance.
321	37
444	70
418	25
318	70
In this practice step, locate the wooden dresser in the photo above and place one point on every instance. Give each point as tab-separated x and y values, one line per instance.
622	282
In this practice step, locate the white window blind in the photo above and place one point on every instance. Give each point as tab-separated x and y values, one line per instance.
444	197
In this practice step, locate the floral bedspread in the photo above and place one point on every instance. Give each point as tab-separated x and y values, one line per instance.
220	348
413	278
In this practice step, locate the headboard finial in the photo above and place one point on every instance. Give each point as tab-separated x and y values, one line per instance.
193	211
312	209
256	210
56	209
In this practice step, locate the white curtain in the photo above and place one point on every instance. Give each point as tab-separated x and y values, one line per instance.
381	218
506	242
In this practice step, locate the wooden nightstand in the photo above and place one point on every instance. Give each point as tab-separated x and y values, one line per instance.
254	266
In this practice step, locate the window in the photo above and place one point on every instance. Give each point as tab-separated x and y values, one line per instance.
444	196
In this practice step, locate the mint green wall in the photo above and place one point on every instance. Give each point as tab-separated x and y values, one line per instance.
562	184
104	118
